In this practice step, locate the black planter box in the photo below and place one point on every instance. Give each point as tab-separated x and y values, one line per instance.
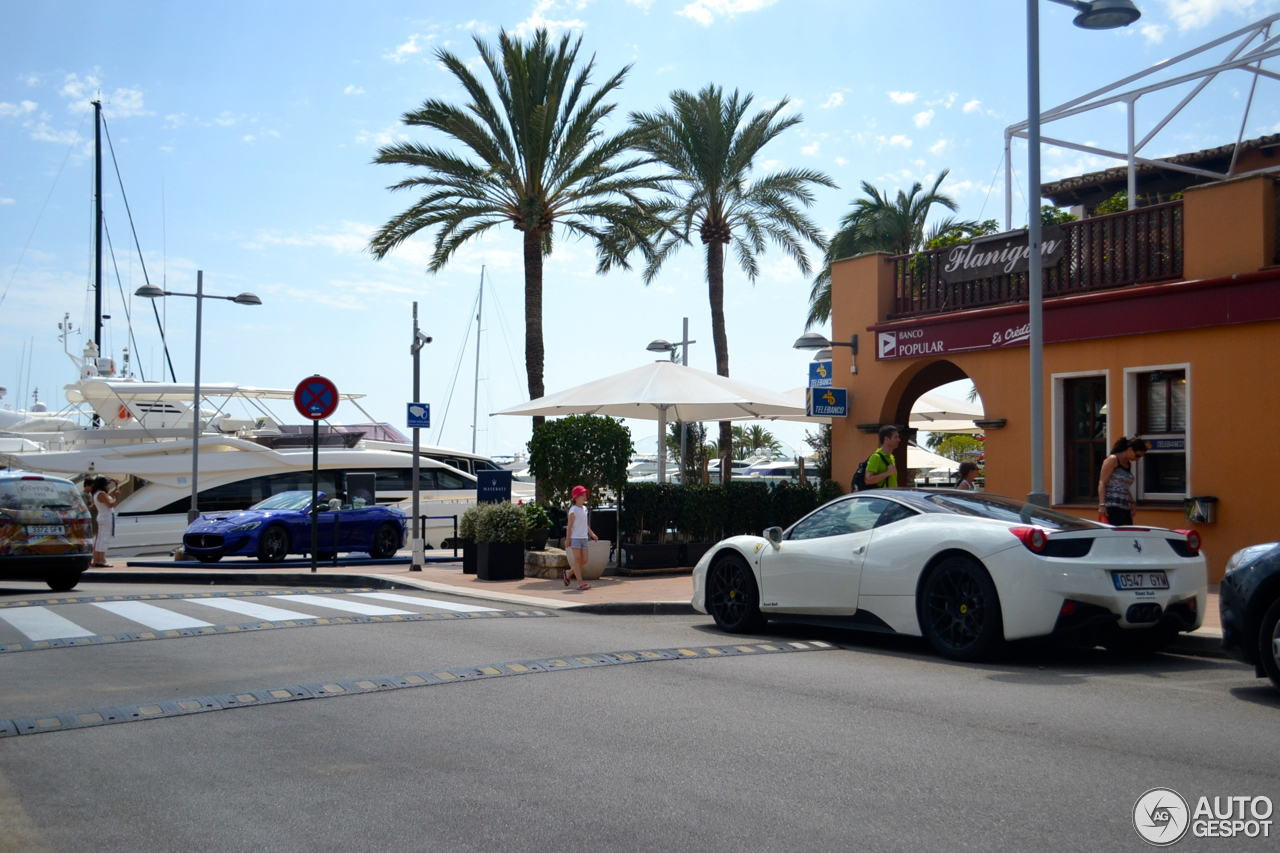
692	552
500	561
537	540
652	556
469	549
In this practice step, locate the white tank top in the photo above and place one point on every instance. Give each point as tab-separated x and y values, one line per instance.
578	522
106	513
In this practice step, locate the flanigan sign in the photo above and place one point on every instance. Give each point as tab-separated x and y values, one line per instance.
983	258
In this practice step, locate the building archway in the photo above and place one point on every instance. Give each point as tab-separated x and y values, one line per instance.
918	379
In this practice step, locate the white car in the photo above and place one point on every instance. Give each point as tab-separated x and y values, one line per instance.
965	570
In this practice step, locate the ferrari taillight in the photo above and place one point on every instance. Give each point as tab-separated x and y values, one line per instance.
1193	540
1033	537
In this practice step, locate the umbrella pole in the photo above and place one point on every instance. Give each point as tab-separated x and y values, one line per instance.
662	444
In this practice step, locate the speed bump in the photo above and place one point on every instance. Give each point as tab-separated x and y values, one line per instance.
327	690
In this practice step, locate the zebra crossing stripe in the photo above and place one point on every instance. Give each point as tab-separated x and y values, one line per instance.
302	622
349	606
39	623
151	616
253	609
424	602
41	724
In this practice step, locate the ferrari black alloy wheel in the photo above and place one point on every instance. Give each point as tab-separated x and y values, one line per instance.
732	596
386	541
960	611
273	547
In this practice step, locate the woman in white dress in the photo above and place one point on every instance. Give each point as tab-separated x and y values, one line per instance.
106	494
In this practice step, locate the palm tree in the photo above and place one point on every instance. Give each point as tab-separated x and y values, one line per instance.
709	147
881	223
747	440
535	158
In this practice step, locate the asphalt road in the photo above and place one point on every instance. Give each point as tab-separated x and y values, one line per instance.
871	743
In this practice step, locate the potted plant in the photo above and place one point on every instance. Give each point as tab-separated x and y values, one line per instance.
539	525
500	532
467	533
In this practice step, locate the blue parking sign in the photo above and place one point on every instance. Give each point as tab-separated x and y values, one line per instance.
419	416
819	374
827	402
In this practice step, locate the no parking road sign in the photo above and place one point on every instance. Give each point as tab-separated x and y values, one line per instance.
315	398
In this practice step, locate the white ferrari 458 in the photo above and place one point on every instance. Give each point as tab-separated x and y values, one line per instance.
965	570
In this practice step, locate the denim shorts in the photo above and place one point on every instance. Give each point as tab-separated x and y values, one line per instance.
578	543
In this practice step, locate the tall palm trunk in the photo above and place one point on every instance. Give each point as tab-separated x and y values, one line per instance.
715	289
534	353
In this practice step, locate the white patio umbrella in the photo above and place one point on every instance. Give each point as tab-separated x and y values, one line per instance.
918	457
931	413
664	391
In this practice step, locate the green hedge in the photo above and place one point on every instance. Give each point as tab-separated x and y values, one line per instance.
708	512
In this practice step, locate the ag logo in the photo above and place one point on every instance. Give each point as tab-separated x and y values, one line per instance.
888	344
822	370
830	398
1161	817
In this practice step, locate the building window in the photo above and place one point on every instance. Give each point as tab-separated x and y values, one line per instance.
1085	434
1162	421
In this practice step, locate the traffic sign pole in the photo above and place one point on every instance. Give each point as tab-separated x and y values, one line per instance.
417	561
316	398
315	493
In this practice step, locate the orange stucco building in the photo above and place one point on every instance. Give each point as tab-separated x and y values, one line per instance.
1161	322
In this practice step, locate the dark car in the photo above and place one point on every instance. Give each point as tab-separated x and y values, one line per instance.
46	532
1249	603
281	525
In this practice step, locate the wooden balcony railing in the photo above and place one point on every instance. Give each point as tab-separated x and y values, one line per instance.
1121	249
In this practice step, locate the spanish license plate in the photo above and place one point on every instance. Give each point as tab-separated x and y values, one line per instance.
46	530
1125	581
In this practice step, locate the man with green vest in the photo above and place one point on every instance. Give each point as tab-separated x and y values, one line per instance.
881	470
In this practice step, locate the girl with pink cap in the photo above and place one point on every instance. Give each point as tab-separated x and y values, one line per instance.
576	538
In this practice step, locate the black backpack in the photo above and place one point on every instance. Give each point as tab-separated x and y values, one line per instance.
860	476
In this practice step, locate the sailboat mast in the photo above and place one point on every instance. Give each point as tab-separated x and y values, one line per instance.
475	400
97	224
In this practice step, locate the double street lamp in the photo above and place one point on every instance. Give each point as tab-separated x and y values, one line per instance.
1092	15
682	346
150	291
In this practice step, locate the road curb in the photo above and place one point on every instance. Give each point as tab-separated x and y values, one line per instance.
635	608
1202	646
247	578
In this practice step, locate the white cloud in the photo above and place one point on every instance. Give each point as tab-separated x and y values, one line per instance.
945	102
811	149
403	52
29	79
386	136
249	137
938	147
538	20
123	103
353	90
21	108
902	97
7	201
897	139
1153	33
480	28
42	132
962	187
922	119
1194	14
840	161
835	100
705	11
974	106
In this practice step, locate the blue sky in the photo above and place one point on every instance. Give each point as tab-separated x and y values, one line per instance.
244	133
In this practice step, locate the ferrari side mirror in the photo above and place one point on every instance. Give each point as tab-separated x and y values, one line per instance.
774	535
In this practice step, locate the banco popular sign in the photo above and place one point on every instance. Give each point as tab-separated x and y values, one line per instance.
963	336
1000	254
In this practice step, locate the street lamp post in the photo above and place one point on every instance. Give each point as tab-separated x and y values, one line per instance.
150	291
663	346
1094	15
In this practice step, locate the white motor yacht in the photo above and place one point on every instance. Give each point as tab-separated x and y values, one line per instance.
143	438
